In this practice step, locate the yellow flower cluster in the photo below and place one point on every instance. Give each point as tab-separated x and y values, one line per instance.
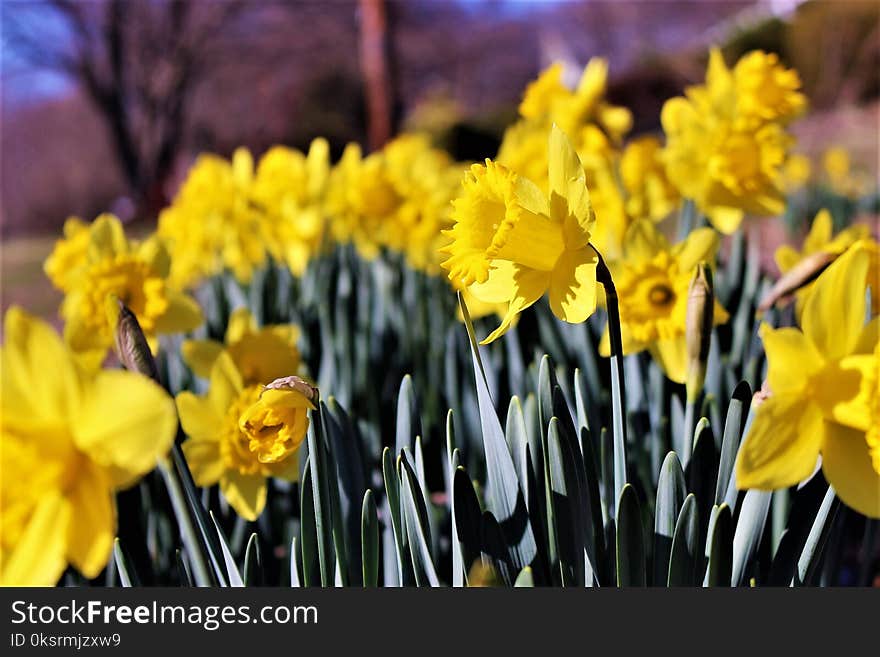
726	141
231	215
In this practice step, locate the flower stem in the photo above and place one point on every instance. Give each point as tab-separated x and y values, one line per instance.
618	390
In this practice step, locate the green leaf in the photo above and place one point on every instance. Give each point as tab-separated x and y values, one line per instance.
720	547
127	575
321	494
685	545
369	541
253	562
805	505
737	411
468	518
308	532
546	383
232	574
749	528
416	520
494	548
294	565
504	496
810	558
630	539
525	579
517	437
408	421
593	508
392	491
670	498
701	474
565	502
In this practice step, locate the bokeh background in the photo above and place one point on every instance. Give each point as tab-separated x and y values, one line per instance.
106	103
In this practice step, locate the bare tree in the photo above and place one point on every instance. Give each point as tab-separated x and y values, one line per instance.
137	62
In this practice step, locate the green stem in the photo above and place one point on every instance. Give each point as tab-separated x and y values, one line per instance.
618	390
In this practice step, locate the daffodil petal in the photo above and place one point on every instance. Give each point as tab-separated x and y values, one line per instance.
241	322
39	557
204	459
701	245
643	241
847	465
564	166
820	232
106	237
39	377
245	493
530	286
93	521
500	287
834	312
572	291
786	258
671	355
199	417
725	219
183	314
782	447
791	359
125	424
200	355
844	391
226	382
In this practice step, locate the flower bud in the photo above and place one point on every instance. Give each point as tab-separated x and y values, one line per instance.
698	328
295	383
131	344
795	278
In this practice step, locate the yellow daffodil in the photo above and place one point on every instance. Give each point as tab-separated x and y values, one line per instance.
115	269
650	195
841	176
214	222
69	255
824	386
726	142
290	189
220	450
548	99
69	438
766	90
796	172
652	281
260	355
511	243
